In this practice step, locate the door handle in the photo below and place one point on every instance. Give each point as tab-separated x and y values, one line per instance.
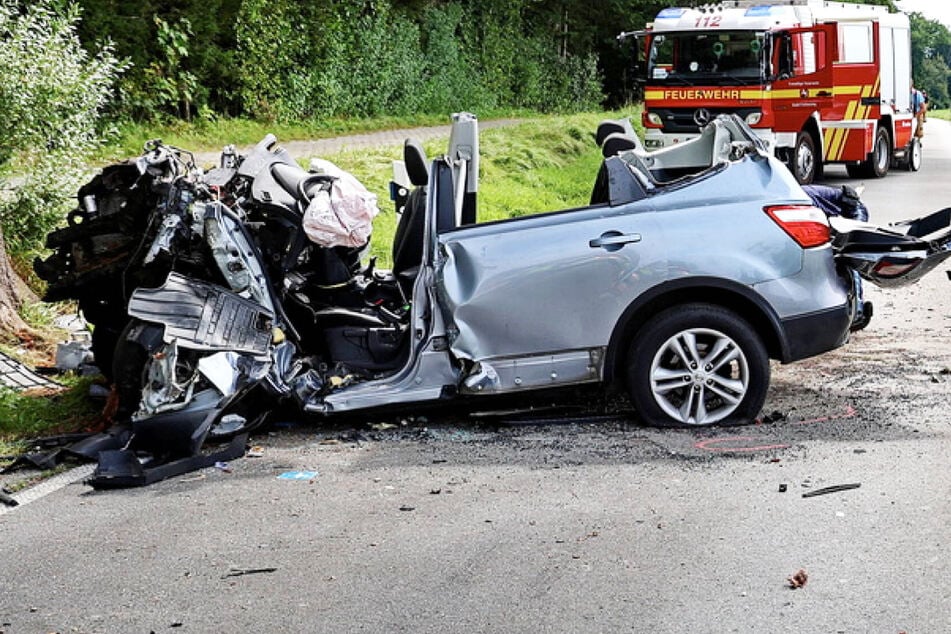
613	240
824	93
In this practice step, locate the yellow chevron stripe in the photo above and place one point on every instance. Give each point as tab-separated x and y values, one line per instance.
856	108
868	93
856	111
842	133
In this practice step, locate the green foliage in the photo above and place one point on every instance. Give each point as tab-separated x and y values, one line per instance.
51	95
931	58
284	60
166	81
138	38
274	57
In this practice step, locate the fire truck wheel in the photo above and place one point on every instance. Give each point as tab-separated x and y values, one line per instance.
880	159
912	161
802	159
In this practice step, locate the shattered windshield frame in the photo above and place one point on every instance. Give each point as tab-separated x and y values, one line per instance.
710	58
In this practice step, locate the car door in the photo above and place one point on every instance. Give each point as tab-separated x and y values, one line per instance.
533	301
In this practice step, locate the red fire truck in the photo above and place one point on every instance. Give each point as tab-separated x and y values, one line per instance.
820	82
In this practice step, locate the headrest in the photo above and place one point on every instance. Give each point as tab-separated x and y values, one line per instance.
415	159
617	142
611	126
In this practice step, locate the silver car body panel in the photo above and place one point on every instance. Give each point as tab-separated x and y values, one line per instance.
535	301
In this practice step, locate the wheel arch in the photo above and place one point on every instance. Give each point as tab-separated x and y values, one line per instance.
888	124
716	291
812	126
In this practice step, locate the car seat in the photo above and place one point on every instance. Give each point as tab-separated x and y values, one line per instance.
410	231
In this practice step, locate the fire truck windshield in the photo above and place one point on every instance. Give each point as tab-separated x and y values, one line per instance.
710	58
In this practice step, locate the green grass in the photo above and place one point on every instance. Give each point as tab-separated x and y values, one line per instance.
940	114
25	415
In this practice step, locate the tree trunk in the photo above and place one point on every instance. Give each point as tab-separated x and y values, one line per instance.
11	296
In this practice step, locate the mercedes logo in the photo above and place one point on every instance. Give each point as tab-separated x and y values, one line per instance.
701	117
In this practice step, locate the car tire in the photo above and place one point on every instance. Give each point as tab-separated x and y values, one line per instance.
802	159
104	340
135	346
695	365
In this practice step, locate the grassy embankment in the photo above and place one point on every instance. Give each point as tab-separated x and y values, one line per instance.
940	114
544	164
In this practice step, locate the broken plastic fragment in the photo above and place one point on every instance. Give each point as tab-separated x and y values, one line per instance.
483	377
297	475
307	385
832	489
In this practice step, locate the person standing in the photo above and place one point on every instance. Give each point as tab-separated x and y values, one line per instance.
918	110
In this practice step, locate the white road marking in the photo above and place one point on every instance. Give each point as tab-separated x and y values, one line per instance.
46	487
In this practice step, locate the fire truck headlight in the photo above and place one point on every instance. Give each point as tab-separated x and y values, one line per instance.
754	117
654	119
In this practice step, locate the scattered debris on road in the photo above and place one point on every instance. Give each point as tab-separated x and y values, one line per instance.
832	489
298	475
238	572
798	580
16	376
6	499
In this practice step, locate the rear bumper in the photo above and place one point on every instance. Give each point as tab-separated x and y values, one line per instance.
815	333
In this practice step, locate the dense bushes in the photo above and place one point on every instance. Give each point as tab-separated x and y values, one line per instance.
51	95
285	59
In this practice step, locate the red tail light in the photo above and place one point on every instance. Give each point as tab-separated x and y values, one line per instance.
805	224
889	269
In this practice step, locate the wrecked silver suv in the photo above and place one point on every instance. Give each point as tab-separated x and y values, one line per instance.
688	271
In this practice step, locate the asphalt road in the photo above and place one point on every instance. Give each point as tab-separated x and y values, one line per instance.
594	524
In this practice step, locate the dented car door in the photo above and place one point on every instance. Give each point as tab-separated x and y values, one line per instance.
533	301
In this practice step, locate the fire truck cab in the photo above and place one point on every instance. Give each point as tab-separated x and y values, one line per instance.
819	82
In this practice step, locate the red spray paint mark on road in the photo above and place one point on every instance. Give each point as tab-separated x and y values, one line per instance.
717	444
849	413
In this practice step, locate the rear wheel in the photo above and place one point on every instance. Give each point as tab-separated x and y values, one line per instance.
696	365
878	161
912	161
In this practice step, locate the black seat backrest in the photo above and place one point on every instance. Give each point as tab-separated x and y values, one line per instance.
612	126
618	142
416	166
411	229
